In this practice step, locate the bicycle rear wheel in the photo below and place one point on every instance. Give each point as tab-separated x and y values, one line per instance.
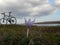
3	21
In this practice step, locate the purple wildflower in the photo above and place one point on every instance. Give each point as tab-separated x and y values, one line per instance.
28	24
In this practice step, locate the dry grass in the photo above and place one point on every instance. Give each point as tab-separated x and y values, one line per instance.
16	34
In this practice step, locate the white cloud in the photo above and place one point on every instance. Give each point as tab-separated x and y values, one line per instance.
2	3
57	3
28	7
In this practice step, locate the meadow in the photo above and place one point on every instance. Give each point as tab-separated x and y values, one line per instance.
38	35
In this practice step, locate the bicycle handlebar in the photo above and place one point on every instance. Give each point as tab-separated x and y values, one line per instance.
5	14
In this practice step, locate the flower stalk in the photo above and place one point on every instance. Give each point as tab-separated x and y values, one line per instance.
27	32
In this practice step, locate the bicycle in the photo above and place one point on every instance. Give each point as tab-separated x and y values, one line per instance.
8	19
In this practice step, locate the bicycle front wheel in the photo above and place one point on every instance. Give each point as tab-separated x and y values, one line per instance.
13	20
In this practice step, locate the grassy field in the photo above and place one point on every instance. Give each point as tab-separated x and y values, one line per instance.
16	35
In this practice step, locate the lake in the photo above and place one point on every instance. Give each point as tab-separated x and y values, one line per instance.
46	24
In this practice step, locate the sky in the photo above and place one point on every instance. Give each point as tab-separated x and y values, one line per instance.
40	10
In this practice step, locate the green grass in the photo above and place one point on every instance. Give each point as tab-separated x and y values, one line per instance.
16	35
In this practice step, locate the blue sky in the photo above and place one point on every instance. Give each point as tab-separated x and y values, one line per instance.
41	10
52	17
51	2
